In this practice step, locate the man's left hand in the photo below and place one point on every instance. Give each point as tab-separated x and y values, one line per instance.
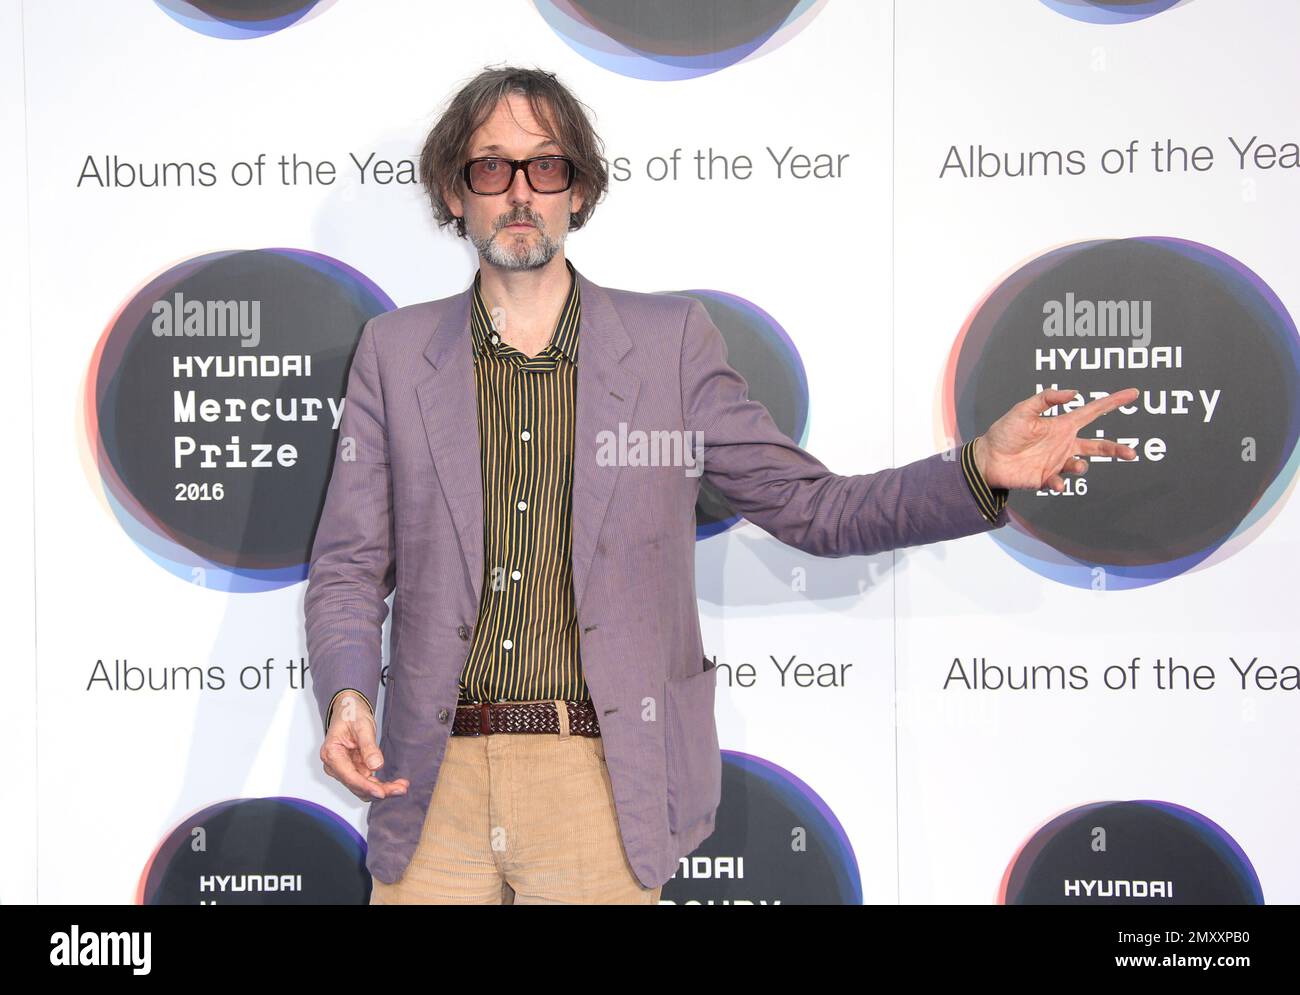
1024	449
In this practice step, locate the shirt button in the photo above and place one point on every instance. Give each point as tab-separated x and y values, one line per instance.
442	715
507	644
522	505
525	435
495	338
515	575
462	631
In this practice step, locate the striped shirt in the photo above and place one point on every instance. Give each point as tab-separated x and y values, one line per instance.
526	639
525	644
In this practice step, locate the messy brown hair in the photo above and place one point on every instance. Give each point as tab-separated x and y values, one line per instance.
563	117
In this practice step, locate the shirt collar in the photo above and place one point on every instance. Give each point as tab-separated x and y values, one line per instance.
564	337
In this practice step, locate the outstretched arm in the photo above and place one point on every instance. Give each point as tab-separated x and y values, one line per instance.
785	490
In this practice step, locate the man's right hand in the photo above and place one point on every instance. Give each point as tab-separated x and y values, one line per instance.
350	752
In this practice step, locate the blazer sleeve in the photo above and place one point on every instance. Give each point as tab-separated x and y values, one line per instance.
786	491
352	568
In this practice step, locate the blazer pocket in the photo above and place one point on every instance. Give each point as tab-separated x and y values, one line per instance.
691	745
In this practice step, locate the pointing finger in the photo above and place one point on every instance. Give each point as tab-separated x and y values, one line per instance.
1095	409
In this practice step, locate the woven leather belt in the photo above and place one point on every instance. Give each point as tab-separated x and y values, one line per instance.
487	717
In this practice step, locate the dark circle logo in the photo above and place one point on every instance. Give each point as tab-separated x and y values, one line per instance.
261	851
1132	852
775	842
240	18
675	39
1216	359
1110	11
211	408
759	349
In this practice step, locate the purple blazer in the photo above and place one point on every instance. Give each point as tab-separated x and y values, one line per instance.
404	511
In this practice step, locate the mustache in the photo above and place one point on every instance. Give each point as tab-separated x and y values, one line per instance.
524	219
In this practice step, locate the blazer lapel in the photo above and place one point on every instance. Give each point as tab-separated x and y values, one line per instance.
606	395
449	409
607	392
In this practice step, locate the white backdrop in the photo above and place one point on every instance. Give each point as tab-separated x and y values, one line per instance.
871	274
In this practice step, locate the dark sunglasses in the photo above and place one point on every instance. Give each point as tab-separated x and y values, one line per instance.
544	173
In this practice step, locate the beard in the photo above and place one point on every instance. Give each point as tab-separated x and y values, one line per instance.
519	252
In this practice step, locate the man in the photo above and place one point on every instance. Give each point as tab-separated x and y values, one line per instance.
548	728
